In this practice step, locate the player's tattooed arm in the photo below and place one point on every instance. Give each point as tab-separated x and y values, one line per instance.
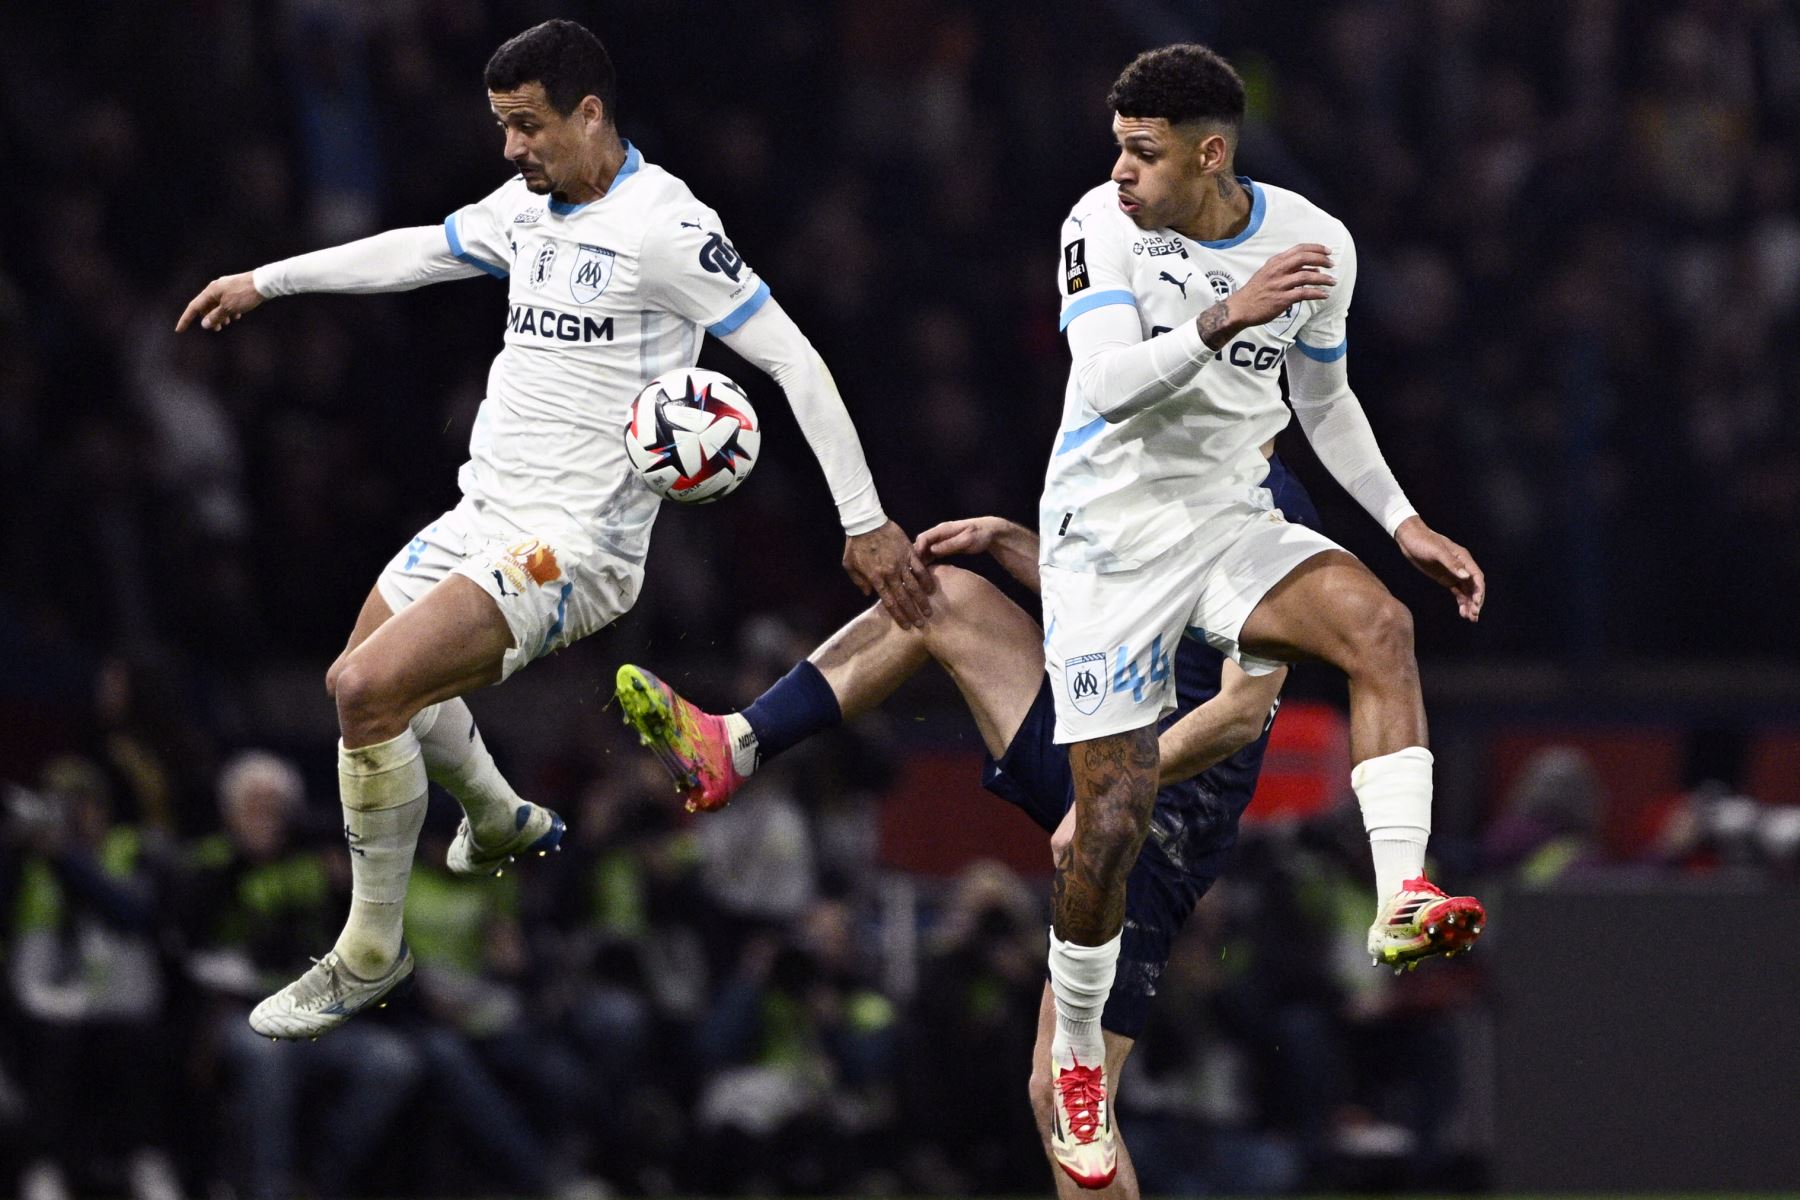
1115	789
1216	326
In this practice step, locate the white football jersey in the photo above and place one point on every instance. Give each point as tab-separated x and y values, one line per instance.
602	298
1118	494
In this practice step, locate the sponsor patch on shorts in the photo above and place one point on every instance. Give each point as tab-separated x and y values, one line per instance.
536	560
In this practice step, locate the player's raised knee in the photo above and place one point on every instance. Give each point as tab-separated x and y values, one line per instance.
365	693
959	588
1388	629
331	676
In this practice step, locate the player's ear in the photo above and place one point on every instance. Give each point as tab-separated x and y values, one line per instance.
592	111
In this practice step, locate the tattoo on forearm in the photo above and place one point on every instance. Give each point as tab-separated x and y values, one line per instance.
1215	325
1115	789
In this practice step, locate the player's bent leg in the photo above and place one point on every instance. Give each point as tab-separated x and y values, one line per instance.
987	643
992	649
1124	1184
449	642
375	612
498	825
1332	608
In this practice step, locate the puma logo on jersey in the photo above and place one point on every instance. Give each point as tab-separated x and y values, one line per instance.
1180	283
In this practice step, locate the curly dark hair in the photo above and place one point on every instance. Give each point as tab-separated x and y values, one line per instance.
1183	82
564	57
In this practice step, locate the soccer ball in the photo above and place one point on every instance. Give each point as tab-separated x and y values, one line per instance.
692	435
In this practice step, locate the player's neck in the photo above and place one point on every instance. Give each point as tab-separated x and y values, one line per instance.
1222	212
598	180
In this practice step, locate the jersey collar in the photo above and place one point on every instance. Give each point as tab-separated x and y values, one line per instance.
1258	205
633	160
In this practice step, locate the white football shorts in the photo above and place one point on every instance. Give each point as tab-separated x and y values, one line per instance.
1110	639
551	594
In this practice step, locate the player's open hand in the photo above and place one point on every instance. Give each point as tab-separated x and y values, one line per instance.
1446	562
882	561
221	302
1298	273
969	535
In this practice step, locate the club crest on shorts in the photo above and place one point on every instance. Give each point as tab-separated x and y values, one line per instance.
1085	677
593	271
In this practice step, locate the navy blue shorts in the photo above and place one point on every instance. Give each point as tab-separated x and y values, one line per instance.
1192	832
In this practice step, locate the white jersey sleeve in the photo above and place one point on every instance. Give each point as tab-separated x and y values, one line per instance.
1328	411
387	262
773	343
693	271
1117	371
480	234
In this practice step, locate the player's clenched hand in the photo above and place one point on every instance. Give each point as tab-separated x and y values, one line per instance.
1296	274
1446	562
221	302
882	561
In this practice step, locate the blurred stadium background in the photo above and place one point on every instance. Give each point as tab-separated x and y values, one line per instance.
1576	337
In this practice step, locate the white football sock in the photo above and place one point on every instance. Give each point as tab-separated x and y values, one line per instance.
457	760
383	792
1080	979
1394	792
744	753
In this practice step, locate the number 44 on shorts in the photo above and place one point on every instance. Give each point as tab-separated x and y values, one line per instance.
1126	676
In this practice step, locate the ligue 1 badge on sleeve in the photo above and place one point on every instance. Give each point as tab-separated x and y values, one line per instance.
1075	272
1085	678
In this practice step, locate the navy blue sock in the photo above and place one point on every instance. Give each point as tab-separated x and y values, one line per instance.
795	707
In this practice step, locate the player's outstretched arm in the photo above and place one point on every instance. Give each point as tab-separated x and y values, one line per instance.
394	261
1013	546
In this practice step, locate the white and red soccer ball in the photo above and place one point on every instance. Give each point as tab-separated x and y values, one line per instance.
692	435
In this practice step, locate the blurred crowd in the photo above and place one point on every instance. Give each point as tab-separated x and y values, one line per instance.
1579	229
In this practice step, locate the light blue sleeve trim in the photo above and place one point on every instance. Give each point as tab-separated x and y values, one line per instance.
1076	438
730	321
1328	355
456	249
1092	301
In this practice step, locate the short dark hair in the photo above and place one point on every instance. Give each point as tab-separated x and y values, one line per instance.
1183	82
564	57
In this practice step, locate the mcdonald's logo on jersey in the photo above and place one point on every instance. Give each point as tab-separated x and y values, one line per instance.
593	271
